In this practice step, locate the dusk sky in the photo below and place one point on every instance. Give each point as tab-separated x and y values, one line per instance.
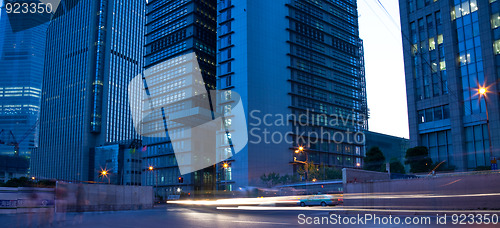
385	78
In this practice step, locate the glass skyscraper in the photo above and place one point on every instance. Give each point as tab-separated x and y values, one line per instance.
282	57
297	64
174	29
21	67
94	49
451	50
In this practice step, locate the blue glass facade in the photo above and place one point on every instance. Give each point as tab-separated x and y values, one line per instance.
175	28
290	59
94	49
450	52
21	67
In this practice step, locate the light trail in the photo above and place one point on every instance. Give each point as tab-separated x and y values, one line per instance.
333	209
295	199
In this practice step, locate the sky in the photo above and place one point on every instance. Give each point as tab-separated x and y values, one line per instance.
384	67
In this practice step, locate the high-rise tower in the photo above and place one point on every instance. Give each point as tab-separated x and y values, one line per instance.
297	65
94	49
451	51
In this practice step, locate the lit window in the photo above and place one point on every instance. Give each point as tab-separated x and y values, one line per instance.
473	6
432	44
495	21
414	49
496	47
465	8
442	65
440	39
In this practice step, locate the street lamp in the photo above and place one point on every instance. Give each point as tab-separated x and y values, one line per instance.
151	168
104	173
300	149
482	93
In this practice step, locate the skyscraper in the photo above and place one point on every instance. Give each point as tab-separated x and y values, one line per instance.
94	49
451	51
297	65
21	65
176	28
285	59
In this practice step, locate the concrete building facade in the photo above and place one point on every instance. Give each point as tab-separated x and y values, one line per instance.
287	59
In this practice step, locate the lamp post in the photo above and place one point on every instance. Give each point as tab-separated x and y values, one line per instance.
482	93
151	168
224	178
306	164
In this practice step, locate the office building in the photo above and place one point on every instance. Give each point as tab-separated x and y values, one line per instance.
451	51
13	167
119	163
177	33
391	146
289	59
94	49
21	66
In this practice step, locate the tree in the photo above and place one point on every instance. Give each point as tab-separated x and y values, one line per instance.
418	159
374	160
271	179
397	166
483	168
313	171
286	179
19	182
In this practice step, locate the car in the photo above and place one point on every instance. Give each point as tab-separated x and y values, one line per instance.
317	200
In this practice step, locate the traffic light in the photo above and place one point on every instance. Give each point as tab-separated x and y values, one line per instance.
181	180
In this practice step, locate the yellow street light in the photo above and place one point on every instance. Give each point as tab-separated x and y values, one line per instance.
151	168
301	148
104	173
225	165
314	180
297	151
33	178
482	91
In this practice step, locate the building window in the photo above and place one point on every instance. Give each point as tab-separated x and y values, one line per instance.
496	47
433	114
440	146
495	21
432	44
477	146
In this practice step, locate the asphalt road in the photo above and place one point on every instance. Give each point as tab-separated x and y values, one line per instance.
177	216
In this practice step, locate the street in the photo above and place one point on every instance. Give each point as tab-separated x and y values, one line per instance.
176	216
